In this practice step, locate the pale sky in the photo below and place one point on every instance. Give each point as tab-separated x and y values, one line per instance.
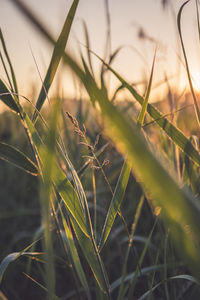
126	17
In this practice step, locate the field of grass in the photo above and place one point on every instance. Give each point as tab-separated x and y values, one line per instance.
99	200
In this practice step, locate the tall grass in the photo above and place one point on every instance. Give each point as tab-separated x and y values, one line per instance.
142	220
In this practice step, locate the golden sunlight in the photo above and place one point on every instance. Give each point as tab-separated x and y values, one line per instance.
196	81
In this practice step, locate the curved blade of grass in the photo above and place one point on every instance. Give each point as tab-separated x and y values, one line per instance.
69	196
62	184
196	105
17	158
87	40
7	98
185	277
6	71
88	243
121	87
11	258
90	251
80	193
114	54
173	132
115	203
58	52
169	114
146	99
13	86
129	277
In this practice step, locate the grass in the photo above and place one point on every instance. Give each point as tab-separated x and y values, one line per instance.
111	219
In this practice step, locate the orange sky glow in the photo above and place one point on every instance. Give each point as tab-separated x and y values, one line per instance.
128	18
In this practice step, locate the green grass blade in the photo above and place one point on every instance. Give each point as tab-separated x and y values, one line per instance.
183	277
143	271
54	297
17	158
11	258
115	203
146	99
93	258
173	132
191	174
60	181
141	259
15	89
80	193
6	71
196	105
71	247
56	57
130	243
114	54
7	98
179	208
87	40
48	166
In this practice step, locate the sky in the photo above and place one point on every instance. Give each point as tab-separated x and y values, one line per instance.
127	17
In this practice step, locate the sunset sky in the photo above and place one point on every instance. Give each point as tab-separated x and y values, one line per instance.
127	17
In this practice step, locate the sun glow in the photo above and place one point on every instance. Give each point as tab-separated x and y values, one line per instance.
196	81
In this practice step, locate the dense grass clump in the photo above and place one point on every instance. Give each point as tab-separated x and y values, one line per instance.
100	200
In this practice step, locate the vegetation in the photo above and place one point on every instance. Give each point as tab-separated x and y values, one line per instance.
104	203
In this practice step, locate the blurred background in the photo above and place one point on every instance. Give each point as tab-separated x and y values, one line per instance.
136	26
